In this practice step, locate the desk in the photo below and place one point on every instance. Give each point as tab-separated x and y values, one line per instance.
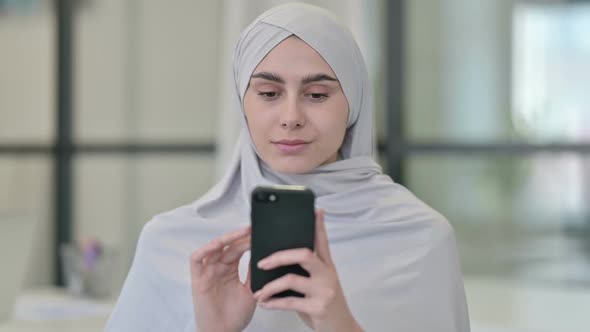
76	325
495	306
53	309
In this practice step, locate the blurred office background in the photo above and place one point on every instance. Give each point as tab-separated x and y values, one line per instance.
482	110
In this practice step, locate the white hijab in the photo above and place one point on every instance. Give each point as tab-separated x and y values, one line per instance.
395	256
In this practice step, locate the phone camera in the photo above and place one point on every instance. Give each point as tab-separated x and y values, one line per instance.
272	197
261	197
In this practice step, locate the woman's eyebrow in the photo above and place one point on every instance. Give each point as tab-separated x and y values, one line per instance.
306	80
316	78
268	76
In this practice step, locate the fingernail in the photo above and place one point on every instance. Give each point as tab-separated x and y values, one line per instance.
262	263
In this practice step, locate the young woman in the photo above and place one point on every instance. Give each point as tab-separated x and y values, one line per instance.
384	260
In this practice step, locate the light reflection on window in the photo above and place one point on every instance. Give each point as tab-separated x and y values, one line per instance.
551	72
551	103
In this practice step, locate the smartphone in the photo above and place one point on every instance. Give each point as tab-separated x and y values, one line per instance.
282	217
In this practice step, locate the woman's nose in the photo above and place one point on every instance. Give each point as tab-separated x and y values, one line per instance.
292	116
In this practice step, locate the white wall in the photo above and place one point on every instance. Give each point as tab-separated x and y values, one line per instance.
27	101
27	77
146	71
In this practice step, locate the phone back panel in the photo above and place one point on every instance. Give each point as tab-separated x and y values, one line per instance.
287	222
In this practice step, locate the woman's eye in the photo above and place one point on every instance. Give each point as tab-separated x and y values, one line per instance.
269	94
318	96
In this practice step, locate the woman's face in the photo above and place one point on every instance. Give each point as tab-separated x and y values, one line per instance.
295	108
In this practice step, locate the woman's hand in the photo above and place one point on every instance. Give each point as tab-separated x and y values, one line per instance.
324	307
221	302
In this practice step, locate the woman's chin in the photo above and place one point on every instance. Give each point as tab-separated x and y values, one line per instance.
291	166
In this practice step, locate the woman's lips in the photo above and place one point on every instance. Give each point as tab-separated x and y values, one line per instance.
291	147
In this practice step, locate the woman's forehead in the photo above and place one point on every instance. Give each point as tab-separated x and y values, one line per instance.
293	59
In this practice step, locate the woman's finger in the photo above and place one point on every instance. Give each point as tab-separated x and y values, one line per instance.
291	303
213	250
248	282
197	257
321	239
287	282
302	256
224	241
234	251
228	238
